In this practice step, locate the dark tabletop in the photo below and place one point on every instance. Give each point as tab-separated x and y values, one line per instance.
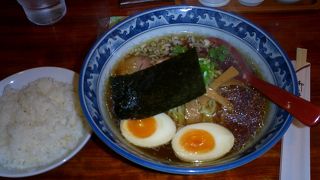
65	44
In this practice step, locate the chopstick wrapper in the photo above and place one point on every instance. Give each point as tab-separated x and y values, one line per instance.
295	150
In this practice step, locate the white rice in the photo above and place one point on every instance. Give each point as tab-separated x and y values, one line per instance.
39	124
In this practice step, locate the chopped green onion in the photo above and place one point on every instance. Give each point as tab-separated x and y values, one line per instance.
218	53
179	50
207	68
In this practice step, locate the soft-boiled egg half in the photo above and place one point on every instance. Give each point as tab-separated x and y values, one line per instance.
202	142
149	132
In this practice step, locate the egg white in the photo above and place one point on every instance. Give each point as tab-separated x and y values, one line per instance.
165	130
224	141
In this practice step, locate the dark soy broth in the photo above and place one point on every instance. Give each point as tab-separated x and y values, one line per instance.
249	107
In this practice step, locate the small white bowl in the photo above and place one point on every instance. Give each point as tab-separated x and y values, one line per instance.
251	2
20	80
214	3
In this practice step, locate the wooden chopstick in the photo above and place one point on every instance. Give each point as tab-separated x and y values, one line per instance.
301	58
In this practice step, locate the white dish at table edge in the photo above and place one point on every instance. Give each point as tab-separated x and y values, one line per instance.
21	79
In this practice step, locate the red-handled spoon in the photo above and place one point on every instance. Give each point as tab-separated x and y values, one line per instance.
301	109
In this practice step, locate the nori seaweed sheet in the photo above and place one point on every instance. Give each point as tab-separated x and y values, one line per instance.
158	88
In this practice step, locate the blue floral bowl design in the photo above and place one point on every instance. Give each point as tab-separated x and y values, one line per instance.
270	59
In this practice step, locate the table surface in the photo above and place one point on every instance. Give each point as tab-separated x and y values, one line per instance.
65	44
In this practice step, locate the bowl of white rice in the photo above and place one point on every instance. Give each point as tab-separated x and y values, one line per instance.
41	122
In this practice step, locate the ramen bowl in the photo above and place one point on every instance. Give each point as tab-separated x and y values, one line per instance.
262	50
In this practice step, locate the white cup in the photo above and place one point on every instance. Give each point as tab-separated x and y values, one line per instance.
214	3
44	12
250	2
288	1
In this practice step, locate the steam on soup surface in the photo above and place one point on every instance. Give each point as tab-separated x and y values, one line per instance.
235	106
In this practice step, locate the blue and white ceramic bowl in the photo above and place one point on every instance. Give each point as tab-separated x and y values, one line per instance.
270	59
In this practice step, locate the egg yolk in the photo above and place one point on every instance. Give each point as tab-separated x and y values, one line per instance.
142	128
197	141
